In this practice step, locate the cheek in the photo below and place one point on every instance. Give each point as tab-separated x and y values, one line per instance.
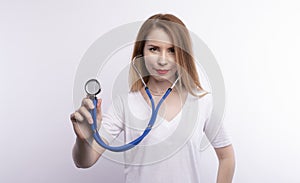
149	63
174	66
148	66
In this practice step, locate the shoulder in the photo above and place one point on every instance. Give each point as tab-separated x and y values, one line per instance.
204	104
126	96
206	99
127	99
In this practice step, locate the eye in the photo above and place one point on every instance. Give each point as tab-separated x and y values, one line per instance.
153	49
171	50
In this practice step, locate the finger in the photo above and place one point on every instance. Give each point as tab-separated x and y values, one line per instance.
88	103
86	114
78	131
78	117
72	117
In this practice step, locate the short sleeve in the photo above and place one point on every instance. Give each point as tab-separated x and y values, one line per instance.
113	120
214	128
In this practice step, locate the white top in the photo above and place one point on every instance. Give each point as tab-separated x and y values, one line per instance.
171	151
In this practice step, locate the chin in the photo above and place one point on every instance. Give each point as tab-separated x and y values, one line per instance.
162	78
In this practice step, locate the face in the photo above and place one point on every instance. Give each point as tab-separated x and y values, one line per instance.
159	56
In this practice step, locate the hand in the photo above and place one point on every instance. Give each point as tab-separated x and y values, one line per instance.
82	118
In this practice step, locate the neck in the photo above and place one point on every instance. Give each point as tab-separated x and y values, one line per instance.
158	87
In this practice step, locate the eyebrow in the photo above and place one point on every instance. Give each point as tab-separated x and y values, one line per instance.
153	45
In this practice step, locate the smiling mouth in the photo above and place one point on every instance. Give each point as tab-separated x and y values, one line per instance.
162	71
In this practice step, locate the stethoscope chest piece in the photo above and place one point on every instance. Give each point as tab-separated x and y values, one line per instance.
92	87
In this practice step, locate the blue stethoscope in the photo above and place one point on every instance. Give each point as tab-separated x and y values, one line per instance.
93	87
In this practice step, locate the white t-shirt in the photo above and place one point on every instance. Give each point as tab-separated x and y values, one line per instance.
171	151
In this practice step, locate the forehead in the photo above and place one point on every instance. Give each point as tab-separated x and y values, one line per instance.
159	36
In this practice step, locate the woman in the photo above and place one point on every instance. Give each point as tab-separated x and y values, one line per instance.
170	153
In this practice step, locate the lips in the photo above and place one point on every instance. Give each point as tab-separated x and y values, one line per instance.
162	71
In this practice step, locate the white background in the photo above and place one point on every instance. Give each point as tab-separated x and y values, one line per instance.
256	44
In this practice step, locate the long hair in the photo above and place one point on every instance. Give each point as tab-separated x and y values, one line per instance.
181	40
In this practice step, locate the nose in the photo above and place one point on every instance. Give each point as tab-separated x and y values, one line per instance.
162	60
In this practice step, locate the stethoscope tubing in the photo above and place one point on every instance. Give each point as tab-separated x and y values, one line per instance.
151	122
135	142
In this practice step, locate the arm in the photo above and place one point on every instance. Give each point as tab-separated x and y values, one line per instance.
85	151
226	164
84	155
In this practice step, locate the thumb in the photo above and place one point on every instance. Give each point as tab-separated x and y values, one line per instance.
99	105
99	111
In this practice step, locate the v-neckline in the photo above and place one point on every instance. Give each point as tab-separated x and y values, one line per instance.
167	121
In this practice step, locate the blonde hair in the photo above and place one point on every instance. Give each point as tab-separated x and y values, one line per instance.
180	37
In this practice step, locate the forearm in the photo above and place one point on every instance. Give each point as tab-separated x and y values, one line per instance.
85	153
226	170
226	164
